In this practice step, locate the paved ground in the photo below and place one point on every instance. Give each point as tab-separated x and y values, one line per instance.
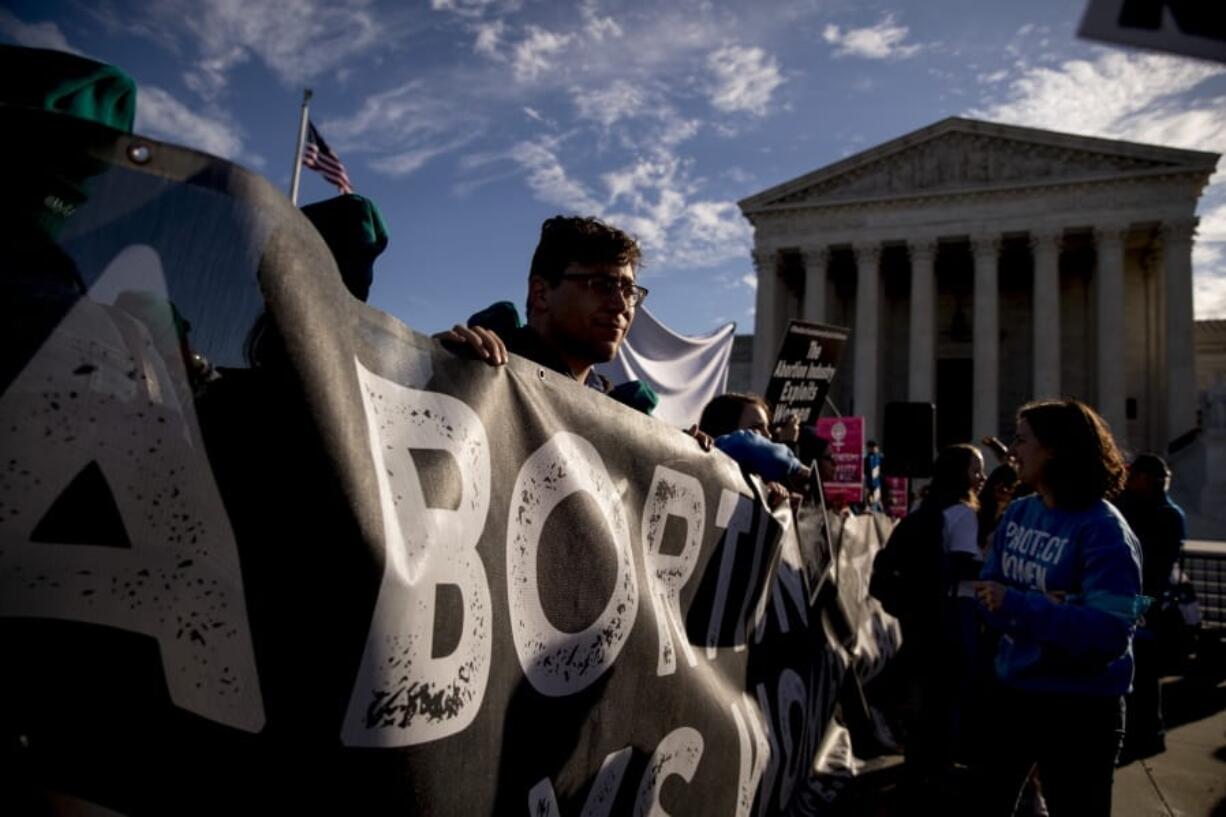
1188	780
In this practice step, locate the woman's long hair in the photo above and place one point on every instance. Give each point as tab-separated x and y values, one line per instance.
1085	464
951	482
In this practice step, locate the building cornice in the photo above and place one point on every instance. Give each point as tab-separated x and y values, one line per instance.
994	192
1178	159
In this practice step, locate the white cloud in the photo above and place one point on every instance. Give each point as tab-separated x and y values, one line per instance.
1212	225
636	181
471	8
33	35
621	100
533	55
739	175
675	129
1208	253
548	178
883	41
750	280
404	128
656	123
710	233
296	39
745	78
1107	97
160	114
489	39
405	162
649	197
1209	282
597	27
208	77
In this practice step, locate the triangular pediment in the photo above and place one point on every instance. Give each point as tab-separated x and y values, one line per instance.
964	155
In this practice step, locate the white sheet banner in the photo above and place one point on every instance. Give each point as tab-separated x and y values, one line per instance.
685	371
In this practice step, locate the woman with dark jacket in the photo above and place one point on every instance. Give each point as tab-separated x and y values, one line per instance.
937	644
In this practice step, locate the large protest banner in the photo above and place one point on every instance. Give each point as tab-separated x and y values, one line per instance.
263	547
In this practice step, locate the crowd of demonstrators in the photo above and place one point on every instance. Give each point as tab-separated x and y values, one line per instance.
1030	601
1018	659
1024	612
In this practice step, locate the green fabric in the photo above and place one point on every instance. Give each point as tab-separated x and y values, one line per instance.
502	318
52	180
69	84
352	220
355	232
637	395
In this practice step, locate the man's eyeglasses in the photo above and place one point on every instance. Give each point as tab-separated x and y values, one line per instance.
606	285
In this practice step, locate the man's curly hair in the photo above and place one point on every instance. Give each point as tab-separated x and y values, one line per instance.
567	240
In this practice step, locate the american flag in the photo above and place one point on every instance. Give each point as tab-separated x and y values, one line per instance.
319	157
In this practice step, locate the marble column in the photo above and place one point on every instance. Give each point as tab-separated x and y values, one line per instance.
865	331
1109	315
766	318
1180	352
1045	249
815	259
986	384
922	335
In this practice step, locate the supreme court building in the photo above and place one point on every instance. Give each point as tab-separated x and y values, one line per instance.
982	265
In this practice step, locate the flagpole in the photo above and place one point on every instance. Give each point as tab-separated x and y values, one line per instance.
302	132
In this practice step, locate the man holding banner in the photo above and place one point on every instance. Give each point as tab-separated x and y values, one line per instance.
582	297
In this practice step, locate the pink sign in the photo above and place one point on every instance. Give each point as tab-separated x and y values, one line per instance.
846	437
896	496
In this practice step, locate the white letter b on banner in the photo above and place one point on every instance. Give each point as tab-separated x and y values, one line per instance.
404	695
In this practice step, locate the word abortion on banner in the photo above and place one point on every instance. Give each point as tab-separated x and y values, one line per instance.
846	438
342	569
800	380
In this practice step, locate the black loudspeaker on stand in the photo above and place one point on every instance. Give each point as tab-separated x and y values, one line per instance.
907	443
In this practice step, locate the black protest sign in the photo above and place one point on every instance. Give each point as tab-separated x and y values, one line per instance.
343	569
800	379
1192	28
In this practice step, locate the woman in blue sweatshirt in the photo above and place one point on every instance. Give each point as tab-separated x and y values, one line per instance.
1061	583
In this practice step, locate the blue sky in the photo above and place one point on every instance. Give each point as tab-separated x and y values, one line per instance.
471	121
